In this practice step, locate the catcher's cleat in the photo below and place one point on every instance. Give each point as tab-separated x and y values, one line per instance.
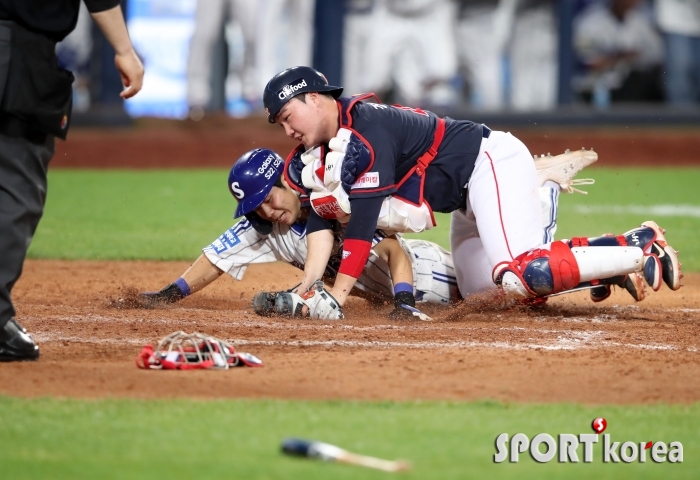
635	286
600	293
563	168
16	344
632	282
667	257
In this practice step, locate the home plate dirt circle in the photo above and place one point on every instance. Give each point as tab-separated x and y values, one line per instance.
570	350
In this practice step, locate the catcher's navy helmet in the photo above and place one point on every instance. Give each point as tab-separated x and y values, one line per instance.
291	82
250	181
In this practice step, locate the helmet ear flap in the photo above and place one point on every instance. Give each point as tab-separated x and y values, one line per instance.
262	226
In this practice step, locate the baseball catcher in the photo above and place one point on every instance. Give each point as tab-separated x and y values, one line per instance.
388	167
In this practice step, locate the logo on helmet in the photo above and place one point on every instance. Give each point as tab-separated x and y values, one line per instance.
237	192
273	166
290	89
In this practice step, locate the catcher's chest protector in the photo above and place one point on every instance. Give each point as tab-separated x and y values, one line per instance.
329	177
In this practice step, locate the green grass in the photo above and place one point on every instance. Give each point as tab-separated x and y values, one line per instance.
122	214
118	439
172	214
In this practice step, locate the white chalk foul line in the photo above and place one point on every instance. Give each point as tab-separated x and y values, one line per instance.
287	324
561	343
272	323
45	337
564	339
692	211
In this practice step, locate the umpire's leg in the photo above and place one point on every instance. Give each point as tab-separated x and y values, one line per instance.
23	166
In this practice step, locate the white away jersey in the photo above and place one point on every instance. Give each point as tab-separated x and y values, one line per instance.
241	245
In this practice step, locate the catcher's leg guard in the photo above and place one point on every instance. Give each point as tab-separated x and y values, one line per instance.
590	260
661	260
596	263
667	255
545	272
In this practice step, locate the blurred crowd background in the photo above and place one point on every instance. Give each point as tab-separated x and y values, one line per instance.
208	56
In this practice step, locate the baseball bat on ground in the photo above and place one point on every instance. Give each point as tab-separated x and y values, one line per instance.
330	453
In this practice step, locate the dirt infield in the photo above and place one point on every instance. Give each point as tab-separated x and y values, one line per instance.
219	141
570	350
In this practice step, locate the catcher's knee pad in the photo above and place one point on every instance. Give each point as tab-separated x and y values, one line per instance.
546	272
539	272
604	263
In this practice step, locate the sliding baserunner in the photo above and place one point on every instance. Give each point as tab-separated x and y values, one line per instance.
274	229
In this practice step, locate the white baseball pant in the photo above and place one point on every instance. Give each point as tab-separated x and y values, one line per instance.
503	217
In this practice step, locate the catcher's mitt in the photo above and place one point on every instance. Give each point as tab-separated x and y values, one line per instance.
278	303
185	351
317	299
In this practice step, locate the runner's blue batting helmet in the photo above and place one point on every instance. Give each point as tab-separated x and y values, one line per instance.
291	82
250	181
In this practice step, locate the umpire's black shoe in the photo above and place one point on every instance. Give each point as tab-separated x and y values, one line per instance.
16	344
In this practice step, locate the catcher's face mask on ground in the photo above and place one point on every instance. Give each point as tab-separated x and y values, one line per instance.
193	351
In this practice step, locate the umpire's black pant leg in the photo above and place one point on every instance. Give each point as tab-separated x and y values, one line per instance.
23	167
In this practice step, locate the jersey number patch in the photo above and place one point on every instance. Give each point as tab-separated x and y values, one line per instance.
228	240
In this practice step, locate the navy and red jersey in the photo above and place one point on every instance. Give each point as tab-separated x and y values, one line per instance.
395	138
387	143
399	136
